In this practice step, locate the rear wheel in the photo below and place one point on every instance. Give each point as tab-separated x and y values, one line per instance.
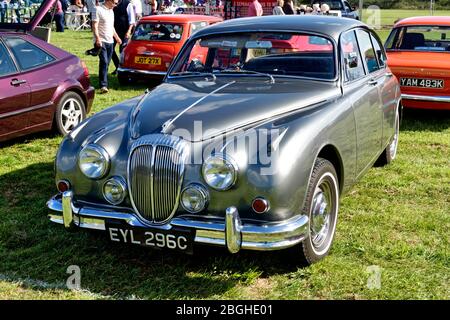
322	206
70	111
390	152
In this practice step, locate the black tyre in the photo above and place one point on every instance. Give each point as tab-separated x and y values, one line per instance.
70	111
322	206
390	152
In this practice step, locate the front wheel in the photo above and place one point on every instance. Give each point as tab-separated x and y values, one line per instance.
322	206
70	111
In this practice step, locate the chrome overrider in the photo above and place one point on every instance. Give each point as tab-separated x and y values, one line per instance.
230	232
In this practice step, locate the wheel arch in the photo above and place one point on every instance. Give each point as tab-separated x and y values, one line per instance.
329	152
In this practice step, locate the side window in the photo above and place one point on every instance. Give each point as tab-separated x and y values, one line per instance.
6	64
379	51
197	26
367	51
28	55
353	67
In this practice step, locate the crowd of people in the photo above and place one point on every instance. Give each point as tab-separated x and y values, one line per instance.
286	7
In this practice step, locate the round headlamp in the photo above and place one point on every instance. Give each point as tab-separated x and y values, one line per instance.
220	172
194	198
115	190
93	161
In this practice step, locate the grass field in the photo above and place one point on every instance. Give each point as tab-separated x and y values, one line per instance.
396	219
388	17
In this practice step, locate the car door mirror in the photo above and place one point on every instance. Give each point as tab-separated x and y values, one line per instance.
351	62
196	66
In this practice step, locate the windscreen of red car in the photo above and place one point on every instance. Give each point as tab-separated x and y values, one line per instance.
281	54
158	32
420	38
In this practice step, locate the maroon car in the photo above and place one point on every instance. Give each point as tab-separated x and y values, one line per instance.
41	86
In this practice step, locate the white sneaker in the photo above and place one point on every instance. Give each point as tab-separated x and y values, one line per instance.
104	90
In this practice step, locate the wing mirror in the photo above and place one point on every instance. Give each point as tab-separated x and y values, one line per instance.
351	62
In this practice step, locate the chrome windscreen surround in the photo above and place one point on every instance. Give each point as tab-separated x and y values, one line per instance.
155	174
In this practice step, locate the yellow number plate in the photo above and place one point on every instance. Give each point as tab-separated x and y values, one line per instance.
147	60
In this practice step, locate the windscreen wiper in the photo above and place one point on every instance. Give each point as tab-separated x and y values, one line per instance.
272	79
194	74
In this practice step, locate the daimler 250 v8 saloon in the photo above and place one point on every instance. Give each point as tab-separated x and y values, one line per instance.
259	127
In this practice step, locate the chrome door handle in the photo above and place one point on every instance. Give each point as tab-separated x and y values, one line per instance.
389	74
372	82
17	82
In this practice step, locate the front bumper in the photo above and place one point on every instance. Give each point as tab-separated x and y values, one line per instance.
230	232
445	99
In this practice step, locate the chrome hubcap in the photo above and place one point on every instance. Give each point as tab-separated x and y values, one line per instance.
320	214
71	114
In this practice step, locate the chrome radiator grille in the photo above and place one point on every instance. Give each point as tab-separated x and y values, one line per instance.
155	173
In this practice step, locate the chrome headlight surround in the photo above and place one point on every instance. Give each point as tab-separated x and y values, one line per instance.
202	194
120	185
228	171
93	161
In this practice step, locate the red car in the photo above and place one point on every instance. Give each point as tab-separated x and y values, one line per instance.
418	51
41	86
155	43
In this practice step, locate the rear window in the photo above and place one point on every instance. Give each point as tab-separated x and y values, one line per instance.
158	32
420	38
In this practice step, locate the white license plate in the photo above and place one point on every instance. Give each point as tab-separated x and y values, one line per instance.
422	83
179	240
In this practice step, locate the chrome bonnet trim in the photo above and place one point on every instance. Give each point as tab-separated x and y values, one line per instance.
426	98
211	231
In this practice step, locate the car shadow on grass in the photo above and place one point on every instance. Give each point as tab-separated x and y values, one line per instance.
113	83
31	247
425	120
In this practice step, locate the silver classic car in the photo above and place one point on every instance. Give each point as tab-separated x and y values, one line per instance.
258	129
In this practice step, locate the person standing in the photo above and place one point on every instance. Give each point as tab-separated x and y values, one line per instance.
104	36
255	9
124	21
59	17
288	7
137	8
278	9
91	6
3	8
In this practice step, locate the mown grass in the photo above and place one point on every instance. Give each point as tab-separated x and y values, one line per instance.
388	17
396	218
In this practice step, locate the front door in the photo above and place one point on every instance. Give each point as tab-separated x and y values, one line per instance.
14	97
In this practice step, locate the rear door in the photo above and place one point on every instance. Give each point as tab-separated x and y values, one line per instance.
370	116
14	96
361	88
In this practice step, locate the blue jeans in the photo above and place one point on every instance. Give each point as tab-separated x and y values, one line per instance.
105	58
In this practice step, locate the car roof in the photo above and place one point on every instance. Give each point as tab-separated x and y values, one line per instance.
327	25
180	18
424	20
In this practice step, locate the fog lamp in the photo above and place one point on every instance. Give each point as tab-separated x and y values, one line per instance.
194	198
115	190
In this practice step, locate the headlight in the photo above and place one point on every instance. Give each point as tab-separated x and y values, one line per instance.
194	198
115	190
93	161
220	172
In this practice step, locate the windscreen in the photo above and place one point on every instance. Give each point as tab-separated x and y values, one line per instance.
282	54
420	38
